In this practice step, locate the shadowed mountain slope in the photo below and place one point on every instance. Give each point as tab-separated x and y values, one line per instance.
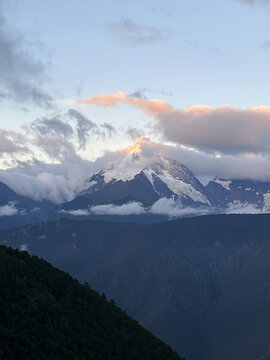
200	284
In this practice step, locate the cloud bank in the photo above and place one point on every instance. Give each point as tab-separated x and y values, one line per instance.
55	182
224	129
133	208
225	142
166	207
44	162
62	181
58	137
244	209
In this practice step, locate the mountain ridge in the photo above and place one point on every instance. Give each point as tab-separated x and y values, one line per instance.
136	189
200	284
161	178
45	314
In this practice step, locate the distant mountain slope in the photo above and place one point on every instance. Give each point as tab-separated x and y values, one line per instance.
45	314
201	284
135	179
17	210
223	193
143	190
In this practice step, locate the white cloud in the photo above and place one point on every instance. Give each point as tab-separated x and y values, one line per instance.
243	208
241	166
61	182
166	207
57	183
133	208
172	209
8	209
78	212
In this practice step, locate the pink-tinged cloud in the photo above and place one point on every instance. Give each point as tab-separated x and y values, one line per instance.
151	107
223	129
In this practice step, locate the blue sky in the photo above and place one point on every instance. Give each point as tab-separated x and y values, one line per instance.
216	52
207	63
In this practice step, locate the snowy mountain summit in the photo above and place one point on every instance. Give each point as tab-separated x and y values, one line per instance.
143	189
146	181
138	179
171	179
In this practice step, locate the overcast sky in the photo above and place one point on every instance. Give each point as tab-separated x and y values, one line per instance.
80	79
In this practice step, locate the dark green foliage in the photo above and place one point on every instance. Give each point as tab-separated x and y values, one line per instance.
45	314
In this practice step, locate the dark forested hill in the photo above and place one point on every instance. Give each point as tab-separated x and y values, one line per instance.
45	314
200	284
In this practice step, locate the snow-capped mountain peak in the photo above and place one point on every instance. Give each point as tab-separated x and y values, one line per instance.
144	181
135	163
137	177
124	170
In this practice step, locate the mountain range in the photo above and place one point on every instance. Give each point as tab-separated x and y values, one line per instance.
200	284
162	178
136	189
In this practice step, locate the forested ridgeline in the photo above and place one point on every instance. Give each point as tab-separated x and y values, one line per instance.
46	314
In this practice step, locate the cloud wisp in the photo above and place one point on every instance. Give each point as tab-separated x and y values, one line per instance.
133	208
84	126
134	34
58	137
163	207
8	209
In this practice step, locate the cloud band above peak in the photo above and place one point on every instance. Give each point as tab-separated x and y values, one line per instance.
224	129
